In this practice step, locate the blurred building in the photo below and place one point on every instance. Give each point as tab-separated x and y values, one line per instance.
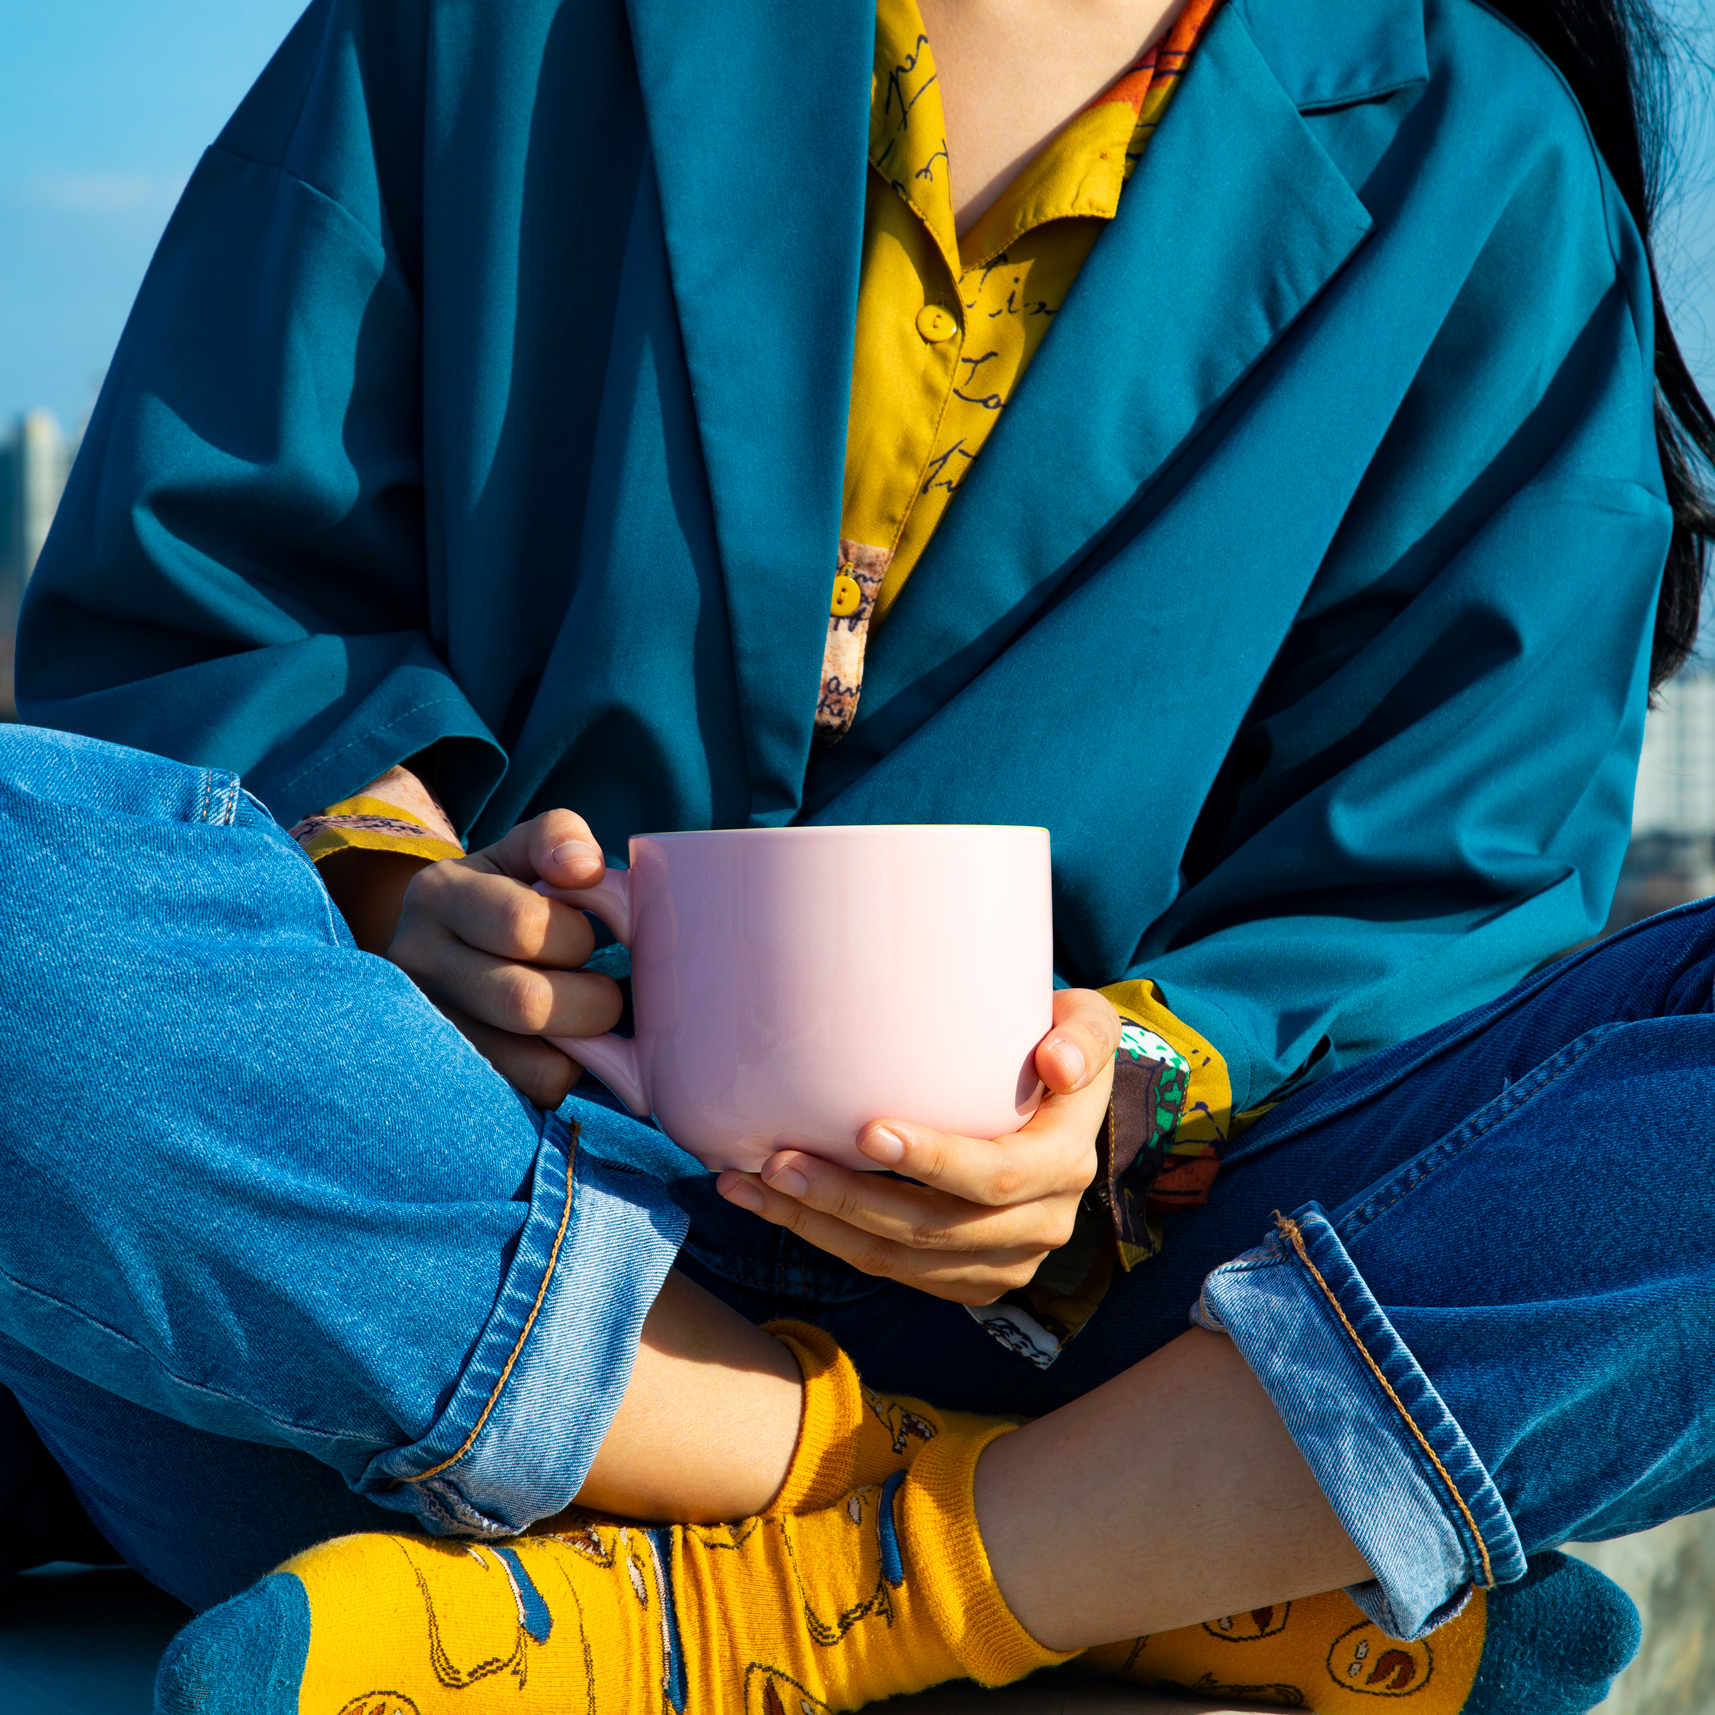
35	459
1672	856
1676	775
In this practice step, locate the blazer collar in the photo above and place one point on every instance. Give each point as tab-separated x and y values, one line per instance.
758	116
1331	53
1233	223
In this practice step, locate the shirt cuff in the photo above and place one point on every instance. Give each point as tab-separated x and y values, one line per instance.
1160	1148
1168	1120
370	824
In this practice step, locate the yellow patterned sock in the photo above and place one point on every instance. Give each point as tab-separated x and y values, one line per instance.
1323	1653
848	1434
886	1591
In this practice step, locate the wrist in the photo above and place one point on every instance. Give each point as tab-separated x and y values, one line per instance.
402	790
368	889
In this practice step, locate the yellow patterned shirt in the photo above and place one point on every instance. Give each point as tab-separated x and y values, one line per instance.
946	326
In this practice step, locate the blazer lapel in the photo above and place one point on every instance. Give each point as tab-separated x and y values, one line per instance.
1234	221
758	114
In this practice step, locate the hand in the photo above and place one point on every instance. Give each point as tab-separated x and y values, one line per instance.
367	886
501	961
983	1213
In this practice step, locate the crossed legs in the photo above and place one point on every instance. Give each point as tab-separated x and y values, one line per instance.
333	1233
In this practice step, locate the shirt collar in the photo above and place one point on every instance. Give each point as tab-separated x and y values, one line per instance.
907	135
1080	172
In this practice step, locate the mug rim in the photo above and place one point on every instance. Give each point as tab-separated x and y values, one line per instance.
852	828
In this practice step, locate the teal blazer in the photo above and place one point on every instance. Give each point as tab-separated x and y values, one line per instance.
482	402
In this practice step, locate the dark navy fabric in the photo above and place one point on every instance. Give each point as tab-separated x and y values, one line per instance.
40	1517
482	408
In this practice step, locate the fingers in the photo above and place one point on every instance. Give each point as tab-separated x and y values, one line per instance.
912	1215
477	943
541	1074
514	996
983	1212
556	847
492	913
460	918
962	1277
1054	1153
1082	1042
500	960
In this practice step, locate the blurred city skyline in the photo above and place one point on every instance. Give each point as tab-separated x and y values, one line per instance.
105	106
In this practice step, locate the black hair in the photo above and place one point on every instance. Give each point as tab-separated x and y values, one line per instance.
1618	56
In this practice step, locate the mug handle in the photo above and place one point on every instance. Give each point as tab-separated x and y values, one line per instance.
613	1059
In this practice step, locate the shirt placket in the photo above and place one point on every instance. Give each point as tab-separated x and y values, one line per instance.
938	325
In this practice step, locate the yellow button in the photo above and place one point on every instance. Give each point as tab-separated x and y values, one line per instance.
848	598
936	324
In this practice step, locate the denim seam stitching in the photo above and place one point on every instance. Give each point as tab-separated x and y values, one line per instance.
518	1344
1497	1112
321	1431
1290	1228
215	810
1249	1265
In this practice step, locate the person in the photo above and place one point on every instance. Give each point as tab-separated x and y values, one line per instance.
286	1251
365	515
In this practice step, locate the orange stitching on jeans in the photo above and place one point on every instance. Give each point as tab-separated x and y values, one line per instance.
1290	1227
523	1335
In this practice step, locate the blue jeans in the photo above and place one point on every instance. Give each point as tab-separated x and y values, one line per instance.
280	1250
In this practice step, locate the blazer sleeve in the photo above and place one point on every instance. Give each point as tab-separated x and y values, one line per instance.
1432	789
237	575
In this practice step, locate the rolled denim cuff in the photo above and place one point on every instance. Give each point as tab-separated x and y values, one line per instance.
525	1416
1417	1502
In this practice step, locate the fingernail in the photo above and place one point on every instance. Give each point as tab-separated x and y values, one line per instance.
883	1146
788	1181
738	1189
1072	1058
573	854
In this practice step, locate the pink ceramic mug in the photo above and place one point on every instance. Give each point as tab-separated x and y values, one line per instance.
792	984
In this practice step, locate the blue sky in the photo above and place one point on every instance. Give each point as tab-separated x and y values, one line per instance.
106	104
